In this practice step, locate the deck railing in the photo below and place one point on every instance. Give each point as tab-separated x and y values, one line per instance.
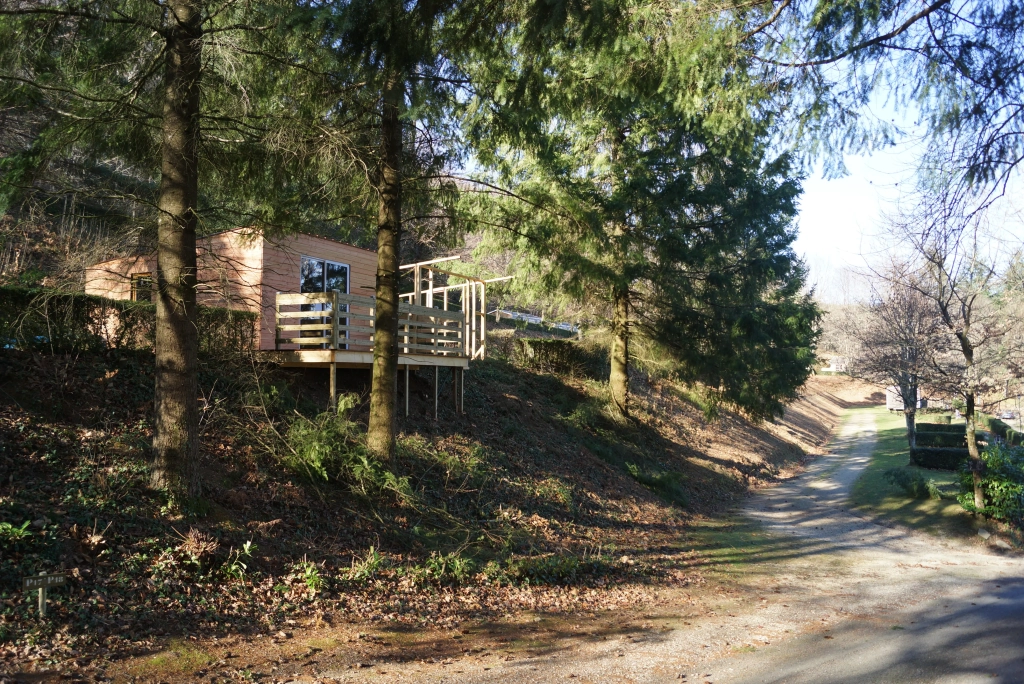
333	320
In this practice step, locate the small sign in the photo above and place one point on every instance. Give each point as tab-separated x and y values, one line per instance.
43	581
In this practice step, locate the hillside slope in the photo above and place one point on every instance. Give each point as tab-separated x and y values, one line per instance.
536	499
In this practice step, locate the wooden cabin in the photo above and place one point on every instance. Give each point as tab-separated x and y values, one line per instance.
314	296
239	270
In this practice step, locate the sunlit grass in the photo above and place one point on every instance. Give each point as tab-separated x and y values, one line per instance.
180	657
873	494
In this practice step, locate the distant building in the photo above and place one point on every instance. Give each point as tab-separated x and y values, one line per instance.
894	402
837	364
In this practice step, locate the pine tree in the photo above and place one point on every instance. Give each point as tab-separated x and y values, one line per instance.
642	181
156	97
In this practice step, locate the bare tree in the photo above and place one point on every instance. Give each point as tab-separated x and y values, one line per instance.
953	264
899	339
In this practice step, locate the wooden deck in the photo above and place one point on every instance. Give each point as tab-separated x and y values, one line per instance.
439	327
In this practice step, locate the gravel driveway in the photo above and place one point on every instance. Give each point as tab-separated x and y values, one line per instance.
832	597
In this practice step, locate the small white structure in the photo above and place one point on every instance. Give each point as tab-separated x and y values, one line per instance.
894	402
837	364
530	318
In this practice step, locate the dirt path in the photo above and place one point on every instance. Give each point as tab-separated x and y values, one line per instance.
825	596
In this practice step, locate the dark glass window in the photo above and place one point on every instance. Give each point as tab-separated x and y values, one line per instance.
320	275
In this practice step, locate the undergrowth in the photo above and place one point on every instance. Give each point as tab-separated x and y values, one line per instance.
538	488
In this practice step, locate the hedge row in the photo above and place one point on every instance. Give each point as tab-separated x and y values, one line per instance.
957	429
939	458
63	322
998	427
942	439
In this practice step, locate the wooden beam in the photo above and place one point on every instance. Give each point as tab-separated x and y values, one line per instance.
427	263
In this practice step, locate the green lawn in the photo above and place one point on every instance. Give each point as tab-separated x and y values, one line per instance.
873	494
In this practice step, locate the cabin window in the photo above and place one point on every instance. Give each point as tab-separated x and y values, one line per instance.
320	275
142	287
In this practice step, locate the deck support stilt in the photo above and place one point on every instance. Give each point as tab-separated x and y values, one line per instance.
437	376
406	390
455	390
334	385
462	391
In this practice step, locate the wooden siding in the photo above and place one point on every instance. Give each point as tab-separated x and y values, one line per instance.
228	274
281	261
113	279
240	271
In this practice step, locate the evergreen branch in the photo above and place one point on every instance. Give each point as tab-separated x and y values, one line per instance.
877	40
128	21
76	94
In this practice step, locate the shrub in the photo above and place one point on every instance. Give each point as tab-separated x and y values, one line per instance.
330	447
666	483
939	458
998	427
913	483
1002	483
48	320
553	356
959	429
944	439
326	446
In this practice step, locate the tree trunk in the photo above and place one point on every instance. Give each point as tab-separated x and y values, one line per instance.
618	380
910	416
977	465
176	429
380	436
910	410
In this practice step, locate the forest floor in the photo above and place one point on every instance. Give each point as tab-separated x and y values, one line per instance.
799	588
534	515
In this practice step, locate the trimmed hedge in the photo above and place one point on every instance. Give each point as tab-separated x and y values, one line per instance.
998	427
939	458
958	429
35	319
942	439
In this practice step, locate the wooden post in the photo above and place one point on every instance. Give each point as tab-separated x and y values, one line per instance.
483	321
407	390
334	381
437	376
430	286
335	321
42	601
462	391
472	320
277	319
417	281
465	318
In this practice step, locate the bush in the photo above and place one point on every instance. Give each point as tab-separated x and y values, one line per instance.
37	319
959	429
330	447
553	356
944	439
913	483
998	427
939	458
1002	483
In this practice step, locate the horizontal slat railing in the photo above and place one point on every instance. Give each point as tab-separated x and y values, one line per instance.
346	321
